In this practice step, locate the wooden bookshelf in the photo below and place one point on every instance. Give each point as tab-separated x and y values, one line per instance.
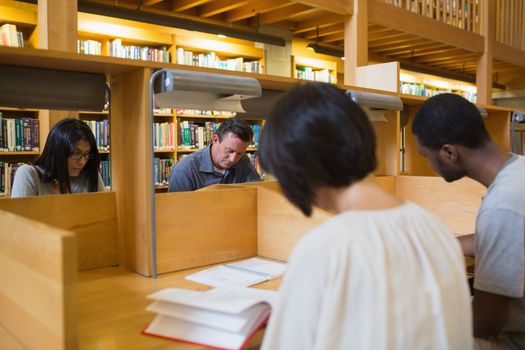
11	159
427	85
191	119
100	126
314	69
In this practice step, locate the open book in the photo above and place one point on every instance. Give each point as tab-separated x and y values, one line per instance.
223	318
244	273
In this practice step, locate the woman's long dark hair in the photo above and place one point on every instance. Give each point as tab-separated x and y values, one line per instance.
60	144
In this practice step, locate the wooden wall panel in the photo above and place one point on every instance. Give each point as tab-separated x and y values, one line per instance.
91	216
280	225
205	227
37	293
455	203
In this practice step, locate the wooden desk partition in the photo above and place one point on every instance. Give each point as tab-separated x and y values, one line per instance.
455	203
38	273
91	216
205	227
280	225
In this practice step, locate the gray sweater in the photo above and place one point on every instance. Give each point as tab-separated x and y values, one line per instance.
27	183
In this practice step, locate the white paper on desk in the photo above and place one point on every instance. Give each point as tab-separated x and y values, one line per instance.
270	268
221	276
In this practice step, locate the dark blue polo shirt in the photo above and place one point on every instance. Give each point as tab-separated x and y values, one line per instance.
196	171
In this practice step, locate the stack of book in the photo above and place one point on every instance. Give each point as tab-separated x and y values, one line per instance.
223	318
9	36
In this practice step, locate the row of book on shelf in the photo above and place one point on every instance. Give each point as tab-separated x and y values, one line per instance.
116	49
19	134
163	168
9	36
8	172
192	135
308	73
211	60
100	130
421	89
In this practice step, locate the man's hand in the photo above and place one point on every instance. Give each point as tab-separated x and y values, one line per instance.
467	244
490	313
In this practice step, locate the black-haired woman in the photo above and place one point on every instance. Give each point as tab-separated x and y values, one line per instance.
69	163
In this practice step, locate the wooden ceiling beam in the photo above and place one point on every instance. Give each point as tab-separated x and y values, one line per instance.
151	2
387	35
399	39
409	45
447	58
253	8
220	6
336	28
320	21
509	54
333	38
283	13
448	53
393	17
343	7
401	49
425	53
183	5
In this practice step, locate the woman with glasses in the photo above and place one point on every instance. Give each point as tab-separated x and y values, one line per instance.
69	163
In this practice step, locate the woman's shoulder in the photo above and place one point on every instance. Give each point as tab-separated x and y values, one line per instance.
28	170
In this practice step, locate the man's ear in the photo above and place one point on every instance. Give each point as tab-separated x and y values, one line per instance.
449	152
215	138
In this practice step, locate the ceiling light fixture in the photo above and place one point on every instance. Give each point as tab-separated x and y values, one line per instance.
325	50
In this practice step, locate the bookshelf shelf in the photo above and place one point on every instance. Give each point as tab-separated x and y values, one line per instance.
314	69
165	150
31	153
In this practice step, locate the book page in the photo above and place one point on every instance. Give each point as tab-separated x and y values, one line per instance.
269	268
232	300
221	276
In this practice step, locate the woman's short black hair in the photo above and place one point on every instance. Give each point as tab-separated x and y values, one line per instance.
315	136
236	126
449	118
60	144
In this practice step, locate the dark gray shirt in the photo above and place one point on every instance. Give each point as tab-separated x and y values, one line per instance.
196	171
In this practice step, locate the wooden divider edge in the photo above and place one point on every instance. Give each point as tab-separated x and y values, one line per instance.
38	274
91	216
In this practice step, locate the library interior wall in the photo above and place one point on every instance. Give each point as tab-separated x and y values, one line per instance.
278	59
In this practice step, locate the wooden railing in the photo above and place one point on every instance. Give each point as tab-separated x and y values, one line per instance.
464	14
510	23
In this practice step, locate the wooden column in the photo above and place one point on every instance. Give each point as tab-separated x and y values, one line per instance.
485	62
356	41
130	157
57	30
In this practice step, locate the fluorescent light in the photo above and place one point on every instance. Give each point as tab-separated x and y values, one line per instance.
222	36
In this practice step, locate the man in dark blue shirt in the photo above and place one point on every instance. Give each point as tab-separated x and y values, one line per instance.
223	162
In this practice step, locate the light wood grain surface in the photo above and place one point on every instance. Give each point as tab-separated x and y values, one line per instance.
37	293
112	303
205	227
91	216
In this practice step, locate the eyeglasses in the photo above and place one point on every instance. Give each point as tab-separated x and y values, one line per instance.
77	156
